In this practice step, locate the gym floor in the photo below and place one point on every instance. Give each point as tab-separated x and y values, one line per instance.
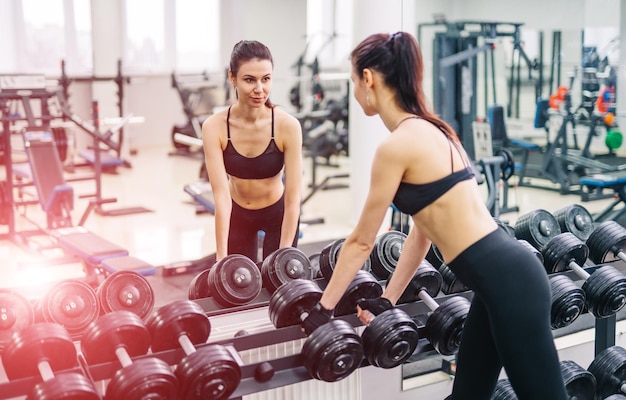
172	231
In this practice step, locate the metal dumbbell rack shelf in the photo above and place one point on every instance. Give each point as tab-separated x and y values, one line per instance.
290	369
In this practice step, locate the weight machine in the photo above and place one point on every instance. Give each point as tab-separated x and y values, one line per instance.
198	95
455	72
44	172
109	161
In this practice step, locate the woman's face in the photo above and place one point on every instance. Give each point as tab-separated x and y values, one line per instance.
254	82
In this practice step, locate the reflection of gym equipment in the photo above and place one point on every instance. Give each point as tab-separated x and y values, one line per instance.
96	154
56	199
455	72
560	163
197	95
112	157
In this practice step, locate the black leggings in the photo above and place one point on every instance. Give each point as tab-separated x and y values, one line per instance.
243	235
508	324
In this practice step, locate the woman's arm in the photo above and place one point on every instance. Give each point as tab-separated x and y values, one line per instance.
386	174
414	250
214	160
292	147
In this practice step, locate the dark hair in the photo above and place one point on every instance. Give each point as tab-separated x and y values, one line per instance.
246	50
399	59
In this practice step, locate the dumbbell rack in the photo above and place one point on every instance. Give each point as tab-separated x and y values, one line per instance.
290	369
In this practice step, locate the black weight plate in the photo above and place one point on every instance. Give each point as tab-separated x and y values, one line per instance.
433	256
181	317
450	284
283	265
506	227
209	373
113	330
328	258
235	280
126	290
609	369
386	252
66	386
607	240
363	286
503	391
425	278
444	326
576	220
332	352
146	378
579	383
16	313
390	338
199	286
71	303
532	249
605	291
314	260
568	301
508	164
288	303
37	342
563	249
537	227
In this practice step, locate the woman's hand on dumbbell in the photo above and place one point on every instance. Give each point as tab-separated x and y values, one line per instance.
368	308
317	317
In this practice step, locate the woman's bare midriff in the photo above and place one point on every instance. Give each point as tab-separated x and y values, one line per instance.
453	228
258	193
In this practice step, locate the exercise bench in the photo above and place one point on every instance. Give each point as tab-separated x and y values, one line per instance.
593	187
57	200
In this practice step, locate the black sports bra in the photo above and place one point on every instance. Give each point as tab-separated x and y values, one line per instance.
266	165
412	198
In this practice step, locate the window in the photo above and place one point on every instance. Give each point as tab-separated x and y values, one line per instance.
166	35
38	34
329	32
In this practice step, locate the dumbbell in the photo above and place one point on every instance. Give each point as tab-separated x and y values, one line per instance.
314	260
331	352
575	219
568	301
121	335
503	391
283	265
71	303
608	368
329	256
386	253
607	242
16	313
580	384
232	281
537	228
199	286
605	288
45	349
444	325
126	290
210	372
391	337
505	226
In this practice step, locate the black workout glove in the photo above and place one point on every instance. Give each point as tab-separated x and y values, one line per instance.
375	306
317	317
